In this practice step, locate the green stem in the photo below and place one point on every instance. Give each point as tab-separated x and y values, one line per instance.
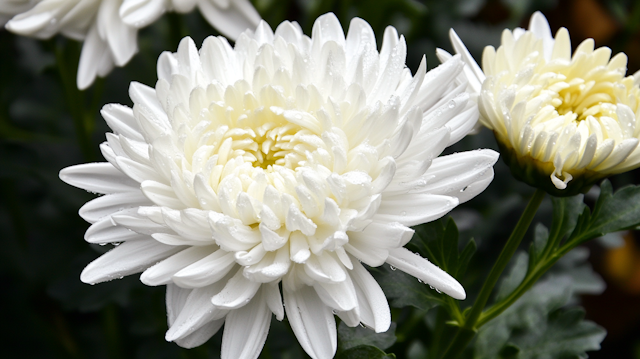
528	282
468	328
75	101
505	256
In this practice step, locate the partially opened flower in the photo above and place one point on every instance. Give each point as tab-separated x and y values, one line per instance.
562	121
285	160
109	27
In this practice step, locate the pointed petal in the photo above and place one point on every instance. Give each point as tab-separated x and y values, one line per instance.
312	322
426	271
246	330
127	258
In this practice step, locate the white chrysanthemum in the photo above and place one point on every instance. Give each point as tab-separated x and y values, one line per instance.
571	118
109	28
286	159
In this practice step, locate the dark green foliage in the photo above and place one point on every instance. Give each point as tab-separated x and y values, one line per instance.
539	325
352	337
364	352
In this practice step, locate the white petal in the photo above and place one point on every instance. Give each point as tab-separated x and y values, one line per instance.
95	59
340	296
462	175
374	309
312	322
413	209
200	335
140	13
233	20
98	178
196	312
103	206
162	272
127	258
237	293
246	330
120	119
426	271
105	230
206	271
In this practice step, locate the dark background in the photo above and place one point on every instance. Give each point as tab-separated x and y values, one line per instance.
46	125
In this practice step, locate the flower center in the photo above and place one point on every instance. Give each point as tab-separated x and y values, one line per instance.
264	139
586	98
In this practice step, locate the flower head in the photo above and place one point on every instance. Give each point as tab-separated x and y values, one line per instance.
109	27
568	118
285	159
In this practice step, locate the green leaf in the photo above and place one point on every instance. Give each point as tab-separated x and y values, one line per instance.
612	213
509	351
536	250
566	211
538	325
352	337
364	352
438	242
514	277
565	335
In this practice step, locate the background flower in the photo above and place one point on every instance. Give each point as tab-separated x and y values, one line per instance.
570	118
286	159
109	28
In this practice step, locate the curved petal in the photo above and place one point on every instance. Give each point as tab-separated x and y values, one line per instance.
312	322
246	329
426	271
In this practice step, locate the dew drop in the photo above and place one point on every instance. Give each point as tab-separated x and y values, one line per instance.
335	312
392	267
430	286
452	104
438	290
404	213
420	281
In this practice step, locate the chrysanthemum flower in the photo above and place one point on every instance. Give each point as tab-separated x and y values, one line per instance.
109	28
562	121
285	160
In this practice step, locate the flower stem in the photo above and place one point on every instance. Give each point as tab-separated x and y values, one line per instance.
528	282
74	97
469	327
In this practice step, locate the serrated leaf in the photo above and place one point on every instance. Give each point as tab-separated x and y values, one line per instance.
539	326
612	213
352	337
364	352
565	335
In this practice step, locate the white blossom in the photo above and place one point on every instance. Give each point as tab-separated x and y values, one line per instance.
286	160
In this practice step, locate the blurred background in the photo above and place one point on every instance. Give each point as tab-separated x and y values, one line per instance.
46	124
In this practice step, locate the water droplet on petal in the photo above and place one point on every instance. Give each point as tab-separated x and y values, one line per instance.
392	267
